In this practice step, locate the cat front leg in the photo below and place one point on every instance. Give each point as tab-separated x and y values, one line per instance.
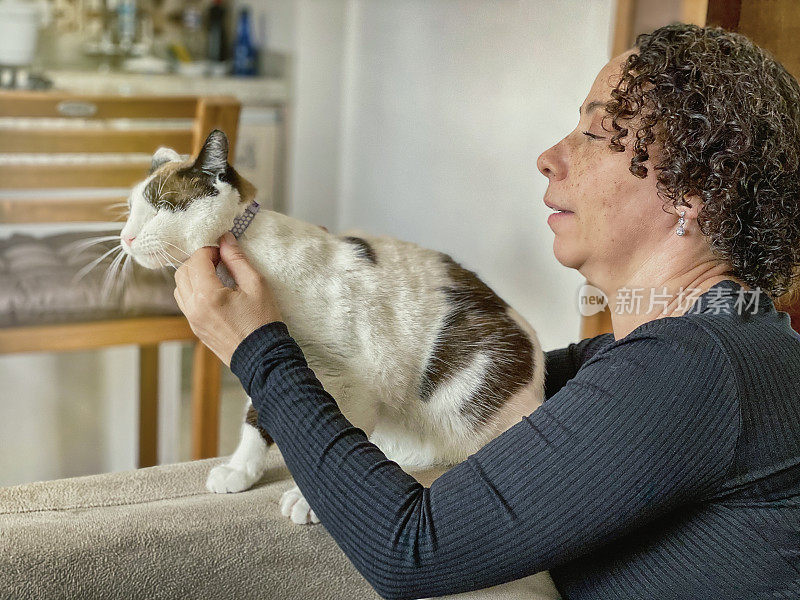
247	463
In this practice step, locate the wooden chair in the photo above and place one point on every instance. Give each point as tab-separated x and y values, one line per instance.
42	183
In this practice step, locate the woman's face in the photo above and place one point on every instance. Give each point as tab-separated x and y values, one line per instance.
615	220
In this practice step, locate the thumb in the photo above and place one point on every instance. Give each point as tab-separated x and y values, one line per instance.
234	258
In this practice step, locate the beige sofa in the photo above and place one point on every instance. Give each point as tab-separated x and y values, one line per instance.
156	533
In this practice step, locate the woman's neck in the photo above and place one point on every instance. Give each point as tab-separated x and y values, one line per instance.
634	303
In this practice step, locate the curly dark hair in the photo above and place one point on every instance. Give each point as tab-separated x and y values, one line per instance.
727	116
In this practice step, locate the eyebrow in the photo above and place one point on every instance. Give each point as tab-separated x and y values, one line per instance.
592	105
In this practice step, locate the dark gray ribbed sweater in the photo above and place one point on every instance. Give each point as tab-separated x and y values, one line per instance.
664	465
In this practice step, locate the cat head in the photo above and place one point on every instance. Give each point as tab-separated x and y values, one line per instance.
183	205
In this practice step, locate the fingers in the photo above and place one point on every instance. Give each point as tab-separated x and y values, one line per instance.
182	280
179	299
240	268
202	274
197	273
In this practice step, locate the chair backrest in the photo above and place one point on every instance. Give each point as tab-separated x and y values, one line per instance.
52	142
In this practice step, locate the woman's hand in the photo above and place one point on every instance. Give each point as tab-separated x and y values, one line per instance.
222	317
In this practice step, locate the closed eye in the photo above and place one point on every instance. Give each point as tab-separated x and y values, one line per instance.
593	136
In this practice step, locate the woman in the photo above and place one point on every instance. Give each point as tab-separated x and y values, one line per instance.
666	461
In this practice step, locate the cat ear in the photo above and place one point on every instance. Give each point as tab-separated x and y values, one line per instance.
213	158
163	156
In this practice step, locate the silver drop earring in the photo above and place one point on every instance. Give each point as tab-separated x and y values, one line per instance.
680	230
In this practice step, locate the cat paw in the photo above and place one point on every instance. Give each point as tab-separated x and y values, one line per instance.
228	479
294	506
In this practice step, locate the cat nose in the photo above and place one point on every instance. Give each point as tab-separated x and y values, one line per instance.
128	239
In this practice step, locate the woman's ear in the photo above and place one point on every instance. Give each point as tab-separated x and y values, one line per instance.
213	157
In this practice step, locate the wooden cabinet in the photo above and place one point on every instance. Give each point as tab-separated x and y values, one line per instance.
641	16
772	24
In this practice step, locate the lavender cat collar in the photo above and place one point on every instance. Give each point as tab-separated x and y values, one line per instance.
241	223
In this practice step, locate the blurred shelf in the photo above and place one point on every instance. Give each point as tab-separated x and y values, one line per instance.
252	92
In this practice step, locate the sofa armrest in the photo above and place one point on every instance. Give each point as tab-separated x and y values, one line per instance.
157	533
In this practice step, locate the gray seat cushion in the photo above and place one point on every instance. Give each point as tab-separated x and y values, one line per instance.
39	285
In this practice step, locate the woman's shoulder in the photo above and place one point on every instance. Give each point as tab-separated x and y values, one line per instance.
745	346
673	337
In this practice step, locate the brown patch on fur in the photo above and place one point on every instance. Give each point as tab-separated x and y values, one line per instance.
478	322
363	248
252	419
176	185
247	191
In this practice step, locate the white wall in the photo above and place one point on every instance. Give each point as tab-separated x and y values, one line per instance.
316	113
445	107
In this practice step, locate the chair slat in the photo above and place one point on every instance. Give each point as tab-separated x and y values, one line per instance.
97	175
61	210
61	104
148	406
41	141
206	378
141	331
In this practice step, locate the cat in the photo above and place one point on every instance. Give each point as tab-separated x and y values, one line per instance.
417	351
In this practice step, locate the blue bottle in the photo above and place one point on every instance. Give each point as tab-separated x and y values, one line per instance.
244	52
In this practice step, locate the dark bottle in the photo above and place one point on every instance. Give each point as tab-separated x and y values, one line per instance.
217	41
244	52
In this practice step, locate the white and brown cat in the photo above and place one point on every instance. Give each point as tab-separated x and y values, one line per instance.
417	351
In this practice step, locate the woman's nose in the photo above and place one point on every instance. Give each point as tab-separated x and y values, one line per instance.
549	165
128	239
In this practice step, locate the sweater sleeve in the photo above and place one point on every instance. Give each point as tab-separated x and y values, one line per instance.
647	424
561	364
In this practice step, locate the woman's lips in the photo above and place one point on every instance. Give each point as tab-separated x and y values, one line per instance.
558	217
548	204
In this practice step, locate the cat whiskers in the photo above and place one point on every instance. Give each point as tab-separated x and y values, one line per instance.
158	254
118	209
79	246
177	248
82	273
171	260
127	268
109	280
